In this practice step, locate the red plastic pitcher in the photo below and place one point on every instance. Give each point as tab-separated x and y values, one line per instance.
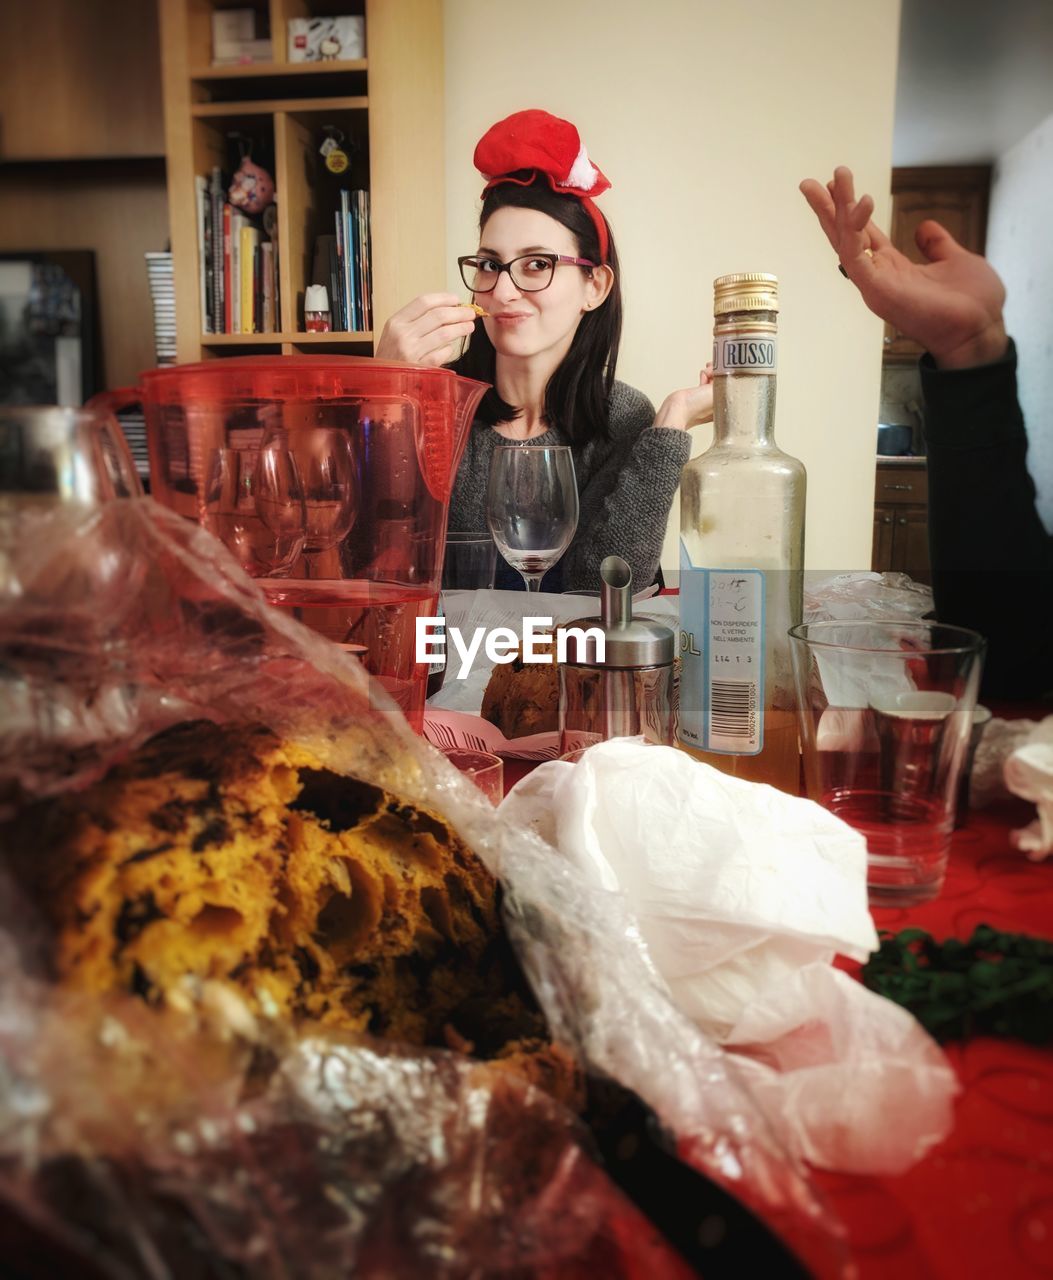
329	477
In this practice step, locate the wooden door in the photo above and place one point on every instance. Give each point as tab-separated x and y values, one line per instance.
881	554
910	544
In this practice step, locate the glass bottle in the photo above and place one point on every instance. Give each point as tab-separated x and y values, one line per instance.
742	555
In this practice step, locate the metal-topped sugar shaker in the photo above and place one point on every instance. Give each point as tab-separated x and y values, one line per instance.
629	692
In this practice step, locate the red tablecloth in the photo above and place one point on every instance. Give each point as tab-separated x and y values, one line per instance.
980	1204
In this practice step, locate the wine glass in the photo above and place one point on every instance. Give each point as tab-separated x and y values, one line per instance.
69	455
532	506
253	502
326	467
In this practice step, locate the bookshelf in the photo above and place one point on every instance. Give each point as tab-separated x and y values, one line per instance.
389	107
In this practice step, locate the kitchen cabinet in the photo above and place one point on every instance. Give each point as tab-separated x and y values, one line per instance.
957	197
901	533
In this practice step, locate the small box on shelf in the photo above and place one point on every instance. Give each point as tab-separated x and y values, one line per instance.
235	39
324	39
316	309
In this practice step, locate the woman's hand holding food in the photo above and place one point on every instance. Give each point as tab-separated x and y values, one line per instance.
427	330
688	408
951	304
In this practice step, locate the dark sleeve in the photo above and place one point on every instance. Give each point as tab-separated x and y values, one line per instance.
625	504
992	559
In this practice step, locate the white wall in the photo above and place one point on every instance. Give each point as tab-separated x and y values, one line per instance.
1020	249
705	117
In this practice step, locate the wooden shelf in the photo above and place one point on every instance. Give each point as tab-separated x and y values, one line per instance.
395	135
269	106
274	70
329	339
273	339
242	339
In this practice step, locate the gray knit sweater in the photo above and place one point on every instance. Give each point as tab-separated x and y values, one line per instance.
626	486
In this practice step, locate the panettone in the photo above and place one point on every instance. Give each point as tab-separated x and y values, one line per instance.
226	854
522	698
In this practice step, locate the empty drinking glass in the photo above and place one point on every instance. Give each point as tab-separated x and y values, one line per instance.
253	502
326	467
484	768
532	506
470	562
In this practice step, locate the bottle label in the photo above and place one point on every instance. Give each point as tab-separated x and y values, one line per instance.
745	351
722	659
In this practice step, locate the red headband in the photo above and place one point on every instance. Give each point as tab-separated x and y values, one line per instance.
544	144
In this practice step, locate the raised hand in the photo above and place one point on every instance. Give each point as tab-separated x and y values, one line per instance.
951	304
427	330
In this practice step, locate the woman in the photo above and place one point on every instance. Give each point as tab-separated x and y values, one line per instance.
546	273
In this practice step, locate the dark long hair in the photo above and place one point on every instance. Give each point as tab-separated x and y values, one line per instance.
578	393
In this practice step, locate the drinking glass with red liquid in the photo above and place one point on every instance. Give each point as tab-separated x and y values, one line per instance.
886	712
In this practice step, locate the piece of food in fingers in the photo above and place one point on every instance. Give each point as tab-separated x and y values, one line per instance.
479	311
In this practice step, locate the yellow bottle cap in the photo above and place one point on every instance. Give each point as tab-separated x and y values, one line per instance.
745	291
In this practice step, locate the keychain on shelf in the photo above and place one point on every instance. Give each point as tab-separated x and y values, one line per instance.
336	158
252	187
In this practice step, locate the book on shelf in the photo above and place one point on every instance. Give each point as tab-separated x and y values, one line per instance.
257	289
366	262
228	272
347	235
216	203
268	316
202	204
237	222
277	290
337	312
237	265
350	285
334	284
248	239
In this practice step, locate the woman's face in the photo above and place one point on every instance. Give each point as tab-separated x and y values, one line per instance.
522	324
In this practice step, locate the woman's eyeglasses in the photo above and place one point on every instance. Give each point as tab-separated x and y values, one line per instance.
531	273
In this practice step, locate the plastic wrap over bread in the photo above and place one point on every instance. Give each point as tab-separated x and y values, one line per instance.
170	1152
890	597
299	1151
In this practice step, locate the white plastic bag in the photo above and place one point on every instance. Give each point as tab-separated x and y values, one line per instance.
742	896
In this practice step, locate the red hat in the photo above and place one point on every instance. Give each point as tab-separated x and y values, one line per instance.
541	142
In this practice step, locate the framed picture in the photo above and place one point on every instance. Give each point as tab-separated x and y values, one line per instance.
48	326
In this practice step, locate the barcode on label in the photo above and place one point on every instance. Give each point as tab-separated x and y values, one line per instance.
733	709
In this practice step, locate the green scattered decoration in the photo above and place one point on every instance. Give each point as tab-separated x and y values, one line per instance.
996	984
